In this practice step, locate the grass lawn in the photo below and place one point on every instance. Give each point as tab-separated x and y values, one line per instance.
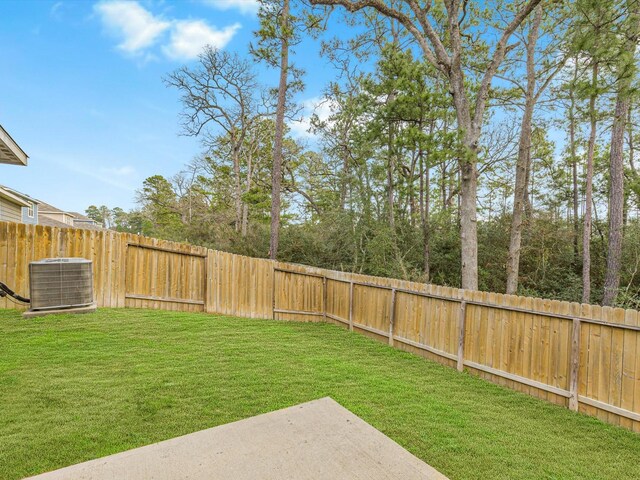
73	388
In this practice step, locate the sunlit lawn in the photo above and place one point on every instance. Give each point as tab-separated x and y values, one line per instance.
73	388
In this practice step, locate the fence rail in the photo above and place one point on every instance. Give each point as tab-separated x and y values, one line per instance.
584	357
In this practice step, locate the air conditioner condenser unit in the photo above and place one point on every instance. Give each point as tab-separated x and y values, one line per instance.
61	285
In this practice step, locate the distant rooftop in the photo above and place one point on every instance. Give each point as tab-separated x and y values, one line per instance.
87	225
46	208
81	218
12	197
20	194
50	222
10	151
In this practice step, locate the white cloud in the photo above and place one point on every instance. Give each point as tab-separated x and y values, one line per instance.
322	107
138	30
136	27
56	10
244	6
188	38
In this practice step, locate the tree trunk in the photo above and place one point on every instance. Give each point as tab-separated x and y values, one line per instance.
616	201
390	170
411	187
443	185
276	173
468	184
574	168
425	204
426	229
631	164
586	229
616	173
519	199
237	184
529	190
245	207
344	179
468	221
524	158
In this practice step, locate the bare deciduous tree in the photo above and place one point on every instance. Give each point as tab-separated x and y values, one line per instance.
220	90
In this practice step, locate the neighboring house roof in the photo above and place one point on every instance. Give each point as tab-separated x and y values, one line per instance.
79	220
46	208
7	194
88	226
82	218
24	196
50	222
10	151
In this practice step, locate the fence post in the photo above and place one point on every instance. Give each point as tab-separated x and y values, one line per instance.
575	365
461	327
392	316
351	306
324	298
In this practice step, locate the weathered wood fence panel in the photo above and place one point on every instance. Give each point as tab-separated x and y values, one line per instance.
297	296
178	279
584	357
239	285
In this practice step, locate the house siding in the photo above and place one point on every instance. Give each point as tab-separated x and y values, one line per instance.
59	217
10	212
25	215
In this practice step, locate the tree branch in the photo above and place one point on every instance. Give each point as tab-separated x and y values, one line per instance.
498	55
354	6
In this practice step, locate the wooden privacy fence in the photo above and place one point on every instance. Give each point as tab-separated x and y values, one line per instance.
585	357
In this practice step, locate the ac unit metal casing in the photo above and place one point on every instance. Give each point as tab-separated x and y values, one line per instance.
61	283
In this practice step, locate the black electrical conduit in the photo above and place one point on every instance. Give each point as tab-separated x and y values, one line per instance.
4	291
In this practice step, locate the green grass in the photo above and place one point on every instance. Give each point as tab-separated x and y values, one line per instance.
73	388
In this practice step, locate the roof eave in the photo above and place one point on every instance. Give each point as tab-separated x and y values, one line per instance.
13	198
56	212
10	151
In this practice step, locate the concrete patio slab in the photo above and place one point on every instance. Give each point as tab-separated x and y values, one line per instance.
311	441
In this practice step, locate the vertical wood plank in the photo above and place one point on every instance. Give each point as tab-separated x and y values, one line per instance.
324	298
5	240
273	295
629	353
461	334
392	316
616	366
575	365
351	306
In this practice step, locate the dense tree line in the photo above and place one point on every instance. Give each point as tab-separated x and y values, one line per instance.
486	145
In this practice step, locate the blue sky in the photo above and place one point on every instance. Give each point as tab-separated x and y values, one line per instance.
81	90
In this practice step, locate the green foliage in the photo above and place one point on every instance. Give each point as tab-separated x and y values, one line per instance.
274	28
94	213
